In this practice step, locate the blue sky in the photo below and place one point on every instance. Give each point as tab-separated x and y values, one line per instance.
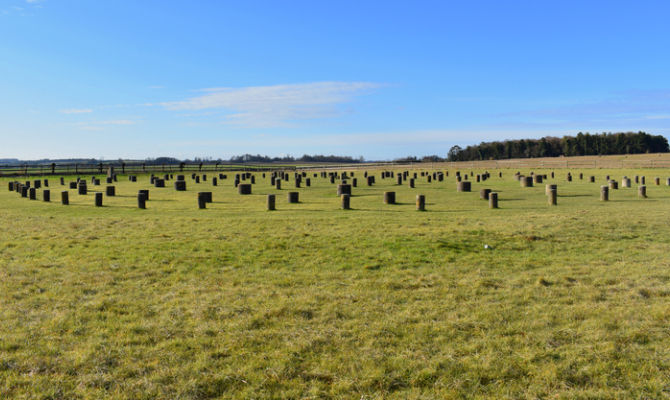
379	79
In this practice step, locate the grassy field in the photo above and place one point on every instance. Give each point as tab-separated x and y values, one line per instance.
311	301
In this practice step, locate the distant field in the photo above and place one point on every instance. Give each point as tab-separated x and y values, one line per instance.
311	301
623	161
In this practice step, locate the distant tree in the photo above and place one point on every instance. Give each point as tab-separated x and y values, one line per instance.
454	153
582	144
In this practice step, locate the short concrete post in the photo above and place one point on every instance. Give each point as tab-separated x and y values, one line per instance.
346	201
343	189
463	186
551	197
604	193
141	200
549	187
493	200
420	202
293	197
244	188
642	191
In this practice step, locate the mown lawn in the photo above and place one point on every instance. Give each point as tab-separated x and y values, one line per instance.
311	301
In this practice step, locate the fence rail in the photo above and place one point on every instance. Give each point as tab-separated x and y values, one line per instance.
137	168
140	168
97	169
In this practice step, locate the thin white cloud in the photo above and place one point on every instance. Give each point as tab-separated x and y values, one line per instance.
76	111
23	11
100	125
272	106
90	128
662	116
117	122
629	107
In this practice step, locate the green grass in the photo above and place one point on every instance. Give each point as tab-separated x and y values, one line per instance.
311	301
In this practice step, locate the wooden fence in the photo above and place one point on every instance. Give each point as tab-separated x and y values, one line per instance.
613	162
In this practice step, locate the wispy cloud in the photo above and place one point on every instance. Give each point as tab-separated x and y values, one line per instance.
24	9
273	106
665	116
117	122
100	125
630	107
76	111
91	128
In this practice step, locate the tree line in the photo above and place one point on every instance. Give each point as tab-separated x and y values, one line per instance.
202	160
305	158
584	144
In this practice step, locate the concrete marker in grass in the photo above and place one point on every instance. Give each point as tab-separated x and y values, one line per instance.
420	202
493	200
293	197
